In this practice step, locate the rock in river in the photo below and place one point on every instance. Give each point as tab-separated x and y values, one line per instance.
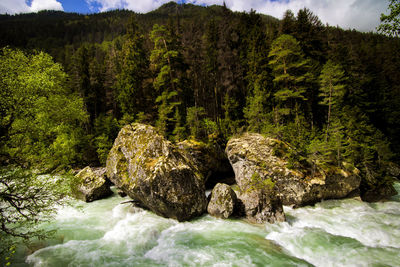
91	184
223	201
255	156
153	171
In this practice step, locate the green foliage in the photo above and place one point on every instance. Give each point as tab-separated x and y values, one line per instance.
134	68
166	59
195	121
42	118
390	24
254	112
366	149
258	183
165	109
179	132
26	200
211	128
106	130
290	70
230	123
332	90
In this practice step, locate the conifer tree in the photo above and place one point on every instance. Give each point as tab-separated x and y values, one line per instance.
290	71
179	128
332	90
287	24
134	70
166	59
255	112
194	120
257	72
211	53
166	106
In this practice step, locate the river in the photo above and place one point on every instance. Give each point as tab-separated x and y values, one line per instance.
331	233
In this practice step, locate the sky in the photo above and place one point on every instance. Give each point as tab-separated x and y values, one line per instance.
362	15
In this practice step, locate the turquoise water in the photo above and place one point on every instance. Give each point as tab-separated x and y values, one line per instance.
332	233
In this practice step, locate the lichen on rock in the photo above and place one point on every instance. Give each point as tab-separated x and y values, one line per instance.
253	153
153	171
222	202
90	184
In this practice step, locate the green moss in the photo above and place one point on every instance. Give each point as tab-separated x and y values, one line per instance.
235	188
258	183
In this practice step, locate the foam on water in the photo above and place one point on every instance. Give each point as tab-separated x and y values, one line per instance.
342	232
332	233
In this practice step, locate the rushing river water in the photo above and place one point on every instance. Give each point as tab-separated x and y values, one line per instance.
332	233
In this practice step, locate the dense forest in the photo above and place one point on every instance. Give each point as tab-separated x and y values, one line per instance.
205	73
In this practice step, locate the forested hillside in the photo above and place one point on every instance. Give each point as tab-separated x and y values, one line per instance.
209	73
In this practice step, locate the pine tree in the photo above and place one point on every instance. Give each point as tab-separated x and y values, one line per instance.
332	90
165	108
290	71
230	122
134	70
166	58
194	120
211	53
287	24
257	72
254	112
179	128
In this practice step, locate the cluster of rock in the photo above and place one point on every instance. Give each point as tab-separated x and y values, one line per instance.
169	179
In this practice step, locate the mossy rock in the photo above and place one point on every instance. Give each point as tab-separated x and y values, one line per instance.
222	202
154	172
258	160
90	184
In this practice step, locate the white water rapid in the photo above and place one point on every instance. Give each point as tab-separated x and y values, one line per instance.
332	233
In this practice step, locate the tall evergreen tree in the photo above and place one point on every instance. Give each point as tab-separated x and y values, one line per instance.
290	71
287	24
211	53
168	81
257	75
134	70
332	90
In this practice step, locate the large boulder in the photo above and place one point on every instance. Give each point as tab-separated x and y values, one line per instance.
222	202
153	171
253	154
91	184
210	160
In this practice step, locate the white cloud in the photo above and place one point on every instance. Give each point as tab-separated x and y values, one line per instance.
362	15
359	14
141	6
21	6
38	5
